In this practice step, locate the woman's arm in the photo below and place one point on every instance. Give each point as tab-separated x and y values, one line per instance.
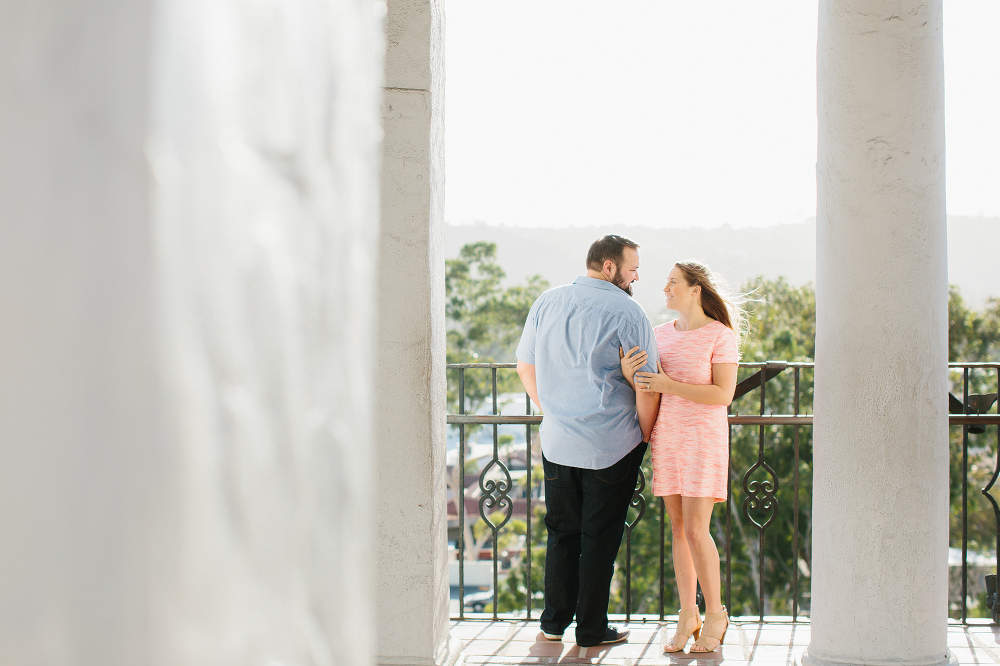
647	404
719	392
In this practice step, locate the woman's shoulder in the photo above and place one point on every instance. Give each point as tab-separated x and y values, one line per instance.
716	328
725	342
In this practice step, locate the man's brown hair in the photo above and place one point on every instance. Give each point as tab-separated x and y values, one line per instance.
610	247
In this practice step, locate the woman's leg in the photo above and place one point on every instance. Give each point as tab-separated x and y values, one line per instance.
696	519
688	619
684	566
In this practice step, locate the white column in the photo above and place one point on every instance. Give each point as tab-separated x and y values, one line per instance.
188	235
412	581
880	489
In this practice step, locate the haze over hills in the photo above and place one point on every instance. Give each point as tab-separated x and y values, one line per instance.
787	251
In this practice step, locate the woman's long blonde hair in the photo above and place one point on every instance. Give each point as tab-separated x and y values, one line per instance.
716	300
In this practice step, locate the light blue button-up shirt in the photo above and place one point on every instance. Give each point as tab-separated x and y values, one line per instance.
572	336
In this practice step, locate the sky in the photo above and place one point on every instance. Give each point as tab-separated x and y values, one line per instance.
665	113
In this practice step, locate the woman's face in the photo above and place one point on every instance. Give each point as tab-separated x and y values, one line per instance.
678	292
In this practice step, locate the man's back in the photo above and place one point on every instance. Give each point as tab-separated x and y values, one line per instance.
572	337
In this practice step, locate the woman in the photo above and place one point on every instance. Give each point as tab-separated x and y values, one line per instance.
696	377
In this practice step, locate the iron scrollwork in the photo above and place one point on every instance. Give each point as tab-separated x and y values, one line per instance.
991	580
638	501
495	495
760	495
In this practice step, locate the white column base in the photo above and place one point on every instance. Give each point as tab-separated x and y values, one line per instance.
449	654
808	660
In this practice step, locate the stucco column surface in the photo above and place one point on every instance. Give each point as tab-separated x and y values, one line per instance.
412	581
880	489
188	242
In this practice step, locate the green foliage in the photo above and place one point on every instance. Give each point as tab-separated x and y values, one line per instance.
484	321
513	594
782	322
973	335
508	534
782	327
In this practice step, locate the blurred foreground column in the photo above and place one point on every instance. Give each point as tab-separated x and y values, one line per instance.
188	236
880	490
412	580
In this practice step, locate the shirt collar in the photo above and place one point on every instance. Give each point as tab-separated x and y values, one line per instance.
597	283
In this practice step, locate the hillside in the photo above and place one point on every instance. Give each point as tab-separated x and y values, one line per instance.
785	250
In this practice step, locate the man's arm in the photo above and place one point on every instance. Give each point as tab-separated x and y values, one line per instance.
648	405
526	371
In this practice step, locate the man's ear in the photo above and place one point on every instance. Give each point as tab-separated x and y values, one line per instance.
609	268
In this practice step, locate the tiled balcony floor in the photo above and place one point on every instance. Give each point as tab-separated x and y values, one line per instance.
774	643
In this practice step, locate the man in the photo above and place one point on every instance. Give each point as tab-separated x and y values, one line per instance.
594	433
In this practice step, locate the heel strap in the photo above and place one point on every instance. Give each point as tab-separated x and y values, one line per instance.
713	632
712	620
684	615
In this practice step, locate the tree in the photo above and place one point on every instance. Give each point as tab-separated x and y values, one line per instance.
973	335
513	594
782	327
484	320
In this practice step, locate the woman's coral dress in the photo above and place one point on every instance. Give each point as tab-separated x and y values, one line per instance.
690	441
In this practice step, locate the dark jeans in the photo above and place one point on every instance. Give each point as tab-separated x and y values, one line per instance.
585	517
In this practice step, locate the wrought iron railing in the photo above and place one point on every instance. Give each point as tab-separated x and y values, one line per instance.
971	414
757	485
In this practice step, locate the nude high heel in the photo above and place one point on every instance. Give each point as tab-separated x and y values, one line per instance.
688	625
713	632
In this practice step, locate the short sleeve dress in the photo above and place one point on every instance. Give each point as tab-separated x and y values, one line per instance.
690	441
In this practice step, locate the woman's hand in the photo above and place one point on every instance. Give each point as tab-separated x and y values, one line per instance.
653	382
632	361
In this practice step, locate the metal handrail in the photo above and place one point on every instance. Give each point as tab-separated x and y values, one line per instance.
495	493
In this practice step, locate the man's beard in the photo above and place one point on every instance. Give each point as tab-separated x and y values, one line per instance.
620	282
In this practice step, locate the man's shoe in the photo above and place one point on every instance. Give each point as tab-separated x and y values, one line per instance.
615	636
612	636
552	637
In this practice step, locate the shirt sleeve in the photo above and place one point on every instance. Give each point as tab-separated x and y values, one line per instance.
725	347
641	335
526	347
